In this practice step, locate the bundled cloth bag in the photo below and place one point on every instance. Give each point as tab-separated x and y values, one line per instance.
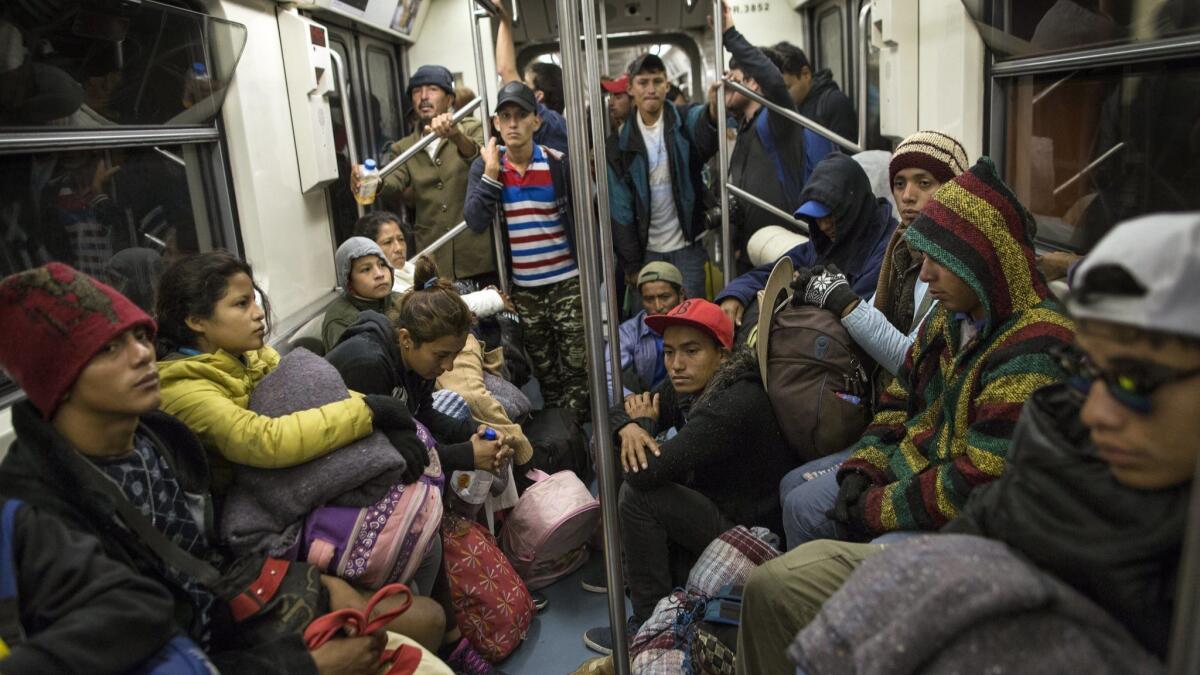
958	603
266	509
663	643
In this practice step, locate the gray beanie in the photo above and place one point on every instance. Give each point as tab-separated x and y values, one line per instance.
352	249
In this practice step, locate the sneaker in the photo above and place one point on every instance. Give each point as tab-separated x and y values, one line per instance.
595	580
600	639
464	660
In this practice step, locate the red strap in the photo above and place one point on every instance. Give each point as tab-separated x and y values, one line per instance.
260	591
404	661
353	622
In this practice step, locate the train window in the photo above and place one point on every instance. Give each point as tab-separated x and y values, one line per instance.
830	43
1014	29
383	97
107	64
1089	148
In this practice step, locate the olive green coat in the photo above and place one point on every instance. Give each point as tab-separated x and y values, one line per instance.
439	191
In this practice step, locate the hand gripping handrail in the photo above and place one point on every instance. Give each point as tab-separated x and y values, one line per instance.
427	139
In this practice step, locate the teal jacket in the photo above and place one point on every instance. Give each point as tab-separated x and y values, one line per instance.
692	142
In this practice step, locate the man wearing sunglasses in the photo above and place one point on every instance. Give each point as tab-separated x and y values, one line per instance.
1100	467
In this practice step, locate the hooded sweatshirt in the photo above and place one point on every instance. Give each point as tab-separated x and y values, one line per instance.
343	311
864	227
945	424
827	105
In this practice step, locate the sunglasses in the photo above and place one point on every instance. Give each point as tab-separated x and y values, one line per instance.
1133	386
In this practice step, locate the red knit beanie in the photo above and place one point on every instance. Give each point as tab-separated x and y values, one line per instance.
55	320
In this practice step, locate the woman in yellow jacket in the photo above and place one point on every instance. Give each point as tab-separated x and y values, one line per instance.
212	355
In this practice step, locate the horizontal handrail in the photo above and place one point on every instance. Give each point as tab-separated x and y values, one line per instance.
1087	169
441	241
787	217
428	138
794	116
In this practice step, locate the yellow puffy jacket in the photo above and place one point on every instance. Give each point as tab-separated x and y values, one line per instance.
210	392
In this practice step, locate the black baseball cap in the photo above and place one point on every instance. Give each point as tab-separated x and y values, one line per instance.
646	62
519	93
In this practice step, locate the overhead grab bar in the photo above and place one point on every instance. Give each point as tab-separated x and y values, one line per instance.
794	116
343	94
442	240
427	139
864	49
767	206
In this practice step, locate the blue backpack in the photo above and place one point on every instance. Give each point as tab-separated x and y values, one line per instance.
180	656
816	148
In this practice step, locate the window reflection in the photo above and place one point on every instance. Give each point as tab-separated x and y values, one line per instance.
1091	148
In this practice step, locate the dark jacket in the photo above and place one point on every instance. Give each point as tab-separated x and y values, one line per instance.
828	106
729	447
484	197
1058	504
865	225
691	139
45	471
368	359
754	169
80	611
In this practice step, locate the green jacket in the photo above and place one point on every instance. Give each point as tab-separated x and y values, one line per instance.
440	189
344	311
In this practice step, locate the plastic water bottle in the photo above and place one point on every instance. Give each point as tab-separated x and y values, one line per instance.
368	184
473	486
198	86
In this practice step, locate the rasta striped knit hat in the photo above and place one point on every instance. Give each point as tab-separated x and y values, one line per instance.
937	153
975	227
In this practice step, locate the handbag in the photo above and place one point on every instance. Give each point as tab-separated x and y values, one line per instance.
268	598
400	657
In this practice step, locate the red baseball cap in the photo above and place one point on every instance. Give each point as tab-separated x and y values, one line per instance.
617	85
697	313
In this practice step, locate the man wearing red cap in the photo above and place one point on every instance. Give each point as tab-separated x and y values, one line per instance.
619	103
716	471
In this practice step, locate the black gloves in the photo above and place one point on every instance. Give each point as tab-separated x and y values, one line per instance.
388	413
824	287
848	509
414	452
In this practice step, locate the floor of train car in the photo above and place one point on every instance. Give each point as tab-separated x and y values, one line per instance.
554	645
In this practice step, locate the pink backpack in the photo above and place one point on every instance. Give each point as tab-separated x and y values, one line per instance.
546	534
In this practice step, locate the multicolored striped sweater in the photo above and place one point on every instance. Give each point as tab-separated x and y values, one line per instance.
944	425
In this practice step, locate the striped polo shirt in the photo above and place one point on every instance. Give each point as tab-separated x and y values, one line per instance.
540	253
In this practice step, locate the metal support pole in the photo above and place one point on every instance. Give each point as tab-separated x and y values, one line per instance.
591	275
425	140
441	241
864	48
727	266
1183	657
768	206
481	80
344	94
796	117
598	123
604	37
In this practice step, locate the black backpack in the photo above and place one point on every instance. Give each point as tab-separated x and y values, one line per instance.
558	442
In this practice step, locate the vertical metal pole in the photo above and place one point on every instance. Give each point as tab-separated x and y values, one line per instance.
604	35
481	81
864	50
1184	654
347	113
722	143
592	271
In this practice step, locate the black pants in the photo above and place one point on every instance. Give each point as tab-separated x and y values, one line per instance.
663	529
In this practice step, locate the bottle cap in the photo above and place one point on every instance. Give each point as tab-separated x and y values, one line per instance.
369	164
199	69
489	434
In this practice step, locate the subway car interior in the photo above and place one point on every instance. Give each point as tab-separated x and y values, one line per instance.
902	293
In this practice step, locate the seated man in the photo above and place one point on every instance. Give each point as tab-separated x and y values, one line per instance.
1100	468
886	325
717	472
366	275
848	227
84	355
944	424
661	287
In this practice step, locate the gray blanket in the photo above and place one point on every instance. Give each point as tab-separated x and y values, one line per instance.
950	603
264	508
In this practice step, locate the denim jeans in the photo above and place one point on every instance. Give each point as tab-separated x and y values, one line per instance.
690	261
806	493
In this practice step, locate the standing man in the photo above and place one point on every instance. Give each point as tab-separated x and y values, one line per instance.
616	91
435	181
816	95
545	79
528	186
655	186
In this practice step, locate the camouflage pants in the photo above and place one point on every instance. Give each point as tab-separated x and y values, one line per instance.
553	320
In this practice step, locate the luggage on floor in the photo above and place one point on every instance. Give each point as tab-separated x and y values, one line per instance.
558	442
547	533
